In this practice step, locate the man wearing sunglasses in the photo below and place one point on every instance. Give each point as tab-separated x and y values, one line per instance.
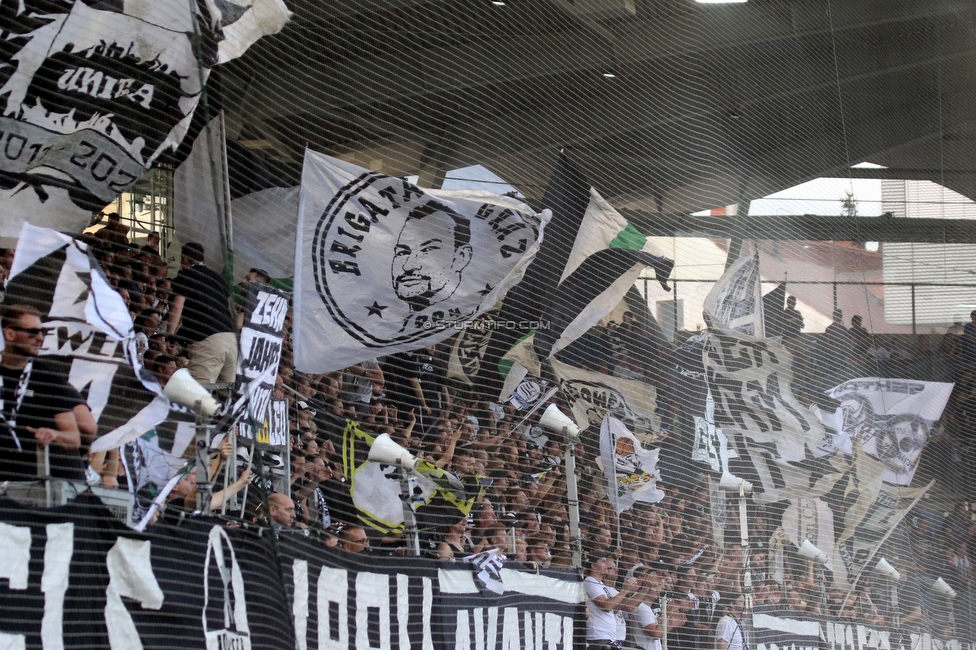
36	403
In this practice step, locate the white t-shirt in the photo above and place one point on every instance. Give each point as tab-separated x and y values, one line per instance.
729	631
639	618
601	624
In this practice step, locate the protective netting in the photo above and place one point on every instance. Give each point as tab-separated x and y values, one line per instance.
673	297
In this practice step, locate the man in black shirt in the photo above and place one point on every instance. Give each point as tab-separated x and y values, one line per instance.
201	297
36	403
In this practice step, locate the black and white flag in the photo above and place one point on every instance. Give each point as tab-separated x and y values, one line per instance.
87	323
630	470
593	396
382	267
749	381
891	418
591	292
260	355
95	92
736	300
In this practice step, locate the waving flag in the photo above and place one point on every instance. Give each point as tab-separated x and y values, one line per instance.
439	497
630	470
89	326
95	92
382	267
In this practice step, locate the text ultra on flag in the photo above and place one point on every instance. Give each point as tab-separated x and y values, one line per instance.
94	92
383	267
630	470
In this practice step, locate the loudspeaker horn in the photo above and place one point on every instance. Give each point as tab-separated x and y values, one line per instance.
810	552
886	569
554	420
183	389
733	482
943	588
384	450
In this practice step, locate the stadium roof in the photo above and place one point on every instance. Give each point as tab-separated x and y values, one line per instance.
708	104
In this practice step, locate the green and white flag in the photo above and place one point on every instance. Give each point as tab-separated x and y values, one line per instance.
603	227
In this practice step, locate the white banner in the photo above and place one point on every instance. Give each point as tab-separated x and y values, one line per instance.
381	267
735	302
593	395
631	471
891	418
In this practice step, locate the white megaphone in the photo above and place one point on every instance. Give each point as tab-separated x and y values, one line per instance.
384	450
943	588
810	552
886	569
183	389
554	420
733	482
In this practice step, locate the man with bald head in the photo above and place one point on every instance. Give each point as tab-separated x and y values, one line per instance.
282	511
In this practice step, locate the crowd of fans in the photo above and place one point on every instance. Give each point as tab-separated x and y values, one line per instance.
515	488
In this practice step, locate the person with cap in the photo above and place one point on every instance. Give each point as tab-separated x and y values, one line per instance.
606	627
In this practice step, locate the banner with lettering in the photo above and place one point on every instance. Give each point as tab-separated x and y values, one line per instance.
95	92
76	578
260	355
381	266
777	440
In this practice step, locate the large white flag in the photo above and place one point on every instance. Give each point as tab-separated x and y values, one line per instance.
892	419
750	381
383	267
88	324
631	471
95	92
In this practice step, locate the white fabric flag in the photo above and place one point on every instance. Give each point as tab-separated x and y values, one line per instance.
631	471
383	267
735	302
604	227
95	92
892	419
593	395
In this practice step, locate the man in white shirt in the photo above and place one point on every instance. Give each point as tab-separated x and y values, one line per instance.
728	632
645	632
606	627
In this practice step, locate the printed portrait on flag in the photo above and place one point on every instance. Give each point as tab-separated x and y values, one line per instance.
631	471
891	418
381	264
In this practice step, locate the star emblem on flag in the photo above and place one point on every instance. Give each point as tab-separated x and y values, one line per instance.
486	290
375	309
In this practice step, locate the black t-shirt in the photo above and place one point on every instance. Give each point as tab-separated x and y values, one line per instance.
399	370
47	394
206	308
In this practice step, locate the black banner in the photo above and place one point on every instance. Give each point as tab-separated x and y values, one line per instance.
74	577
